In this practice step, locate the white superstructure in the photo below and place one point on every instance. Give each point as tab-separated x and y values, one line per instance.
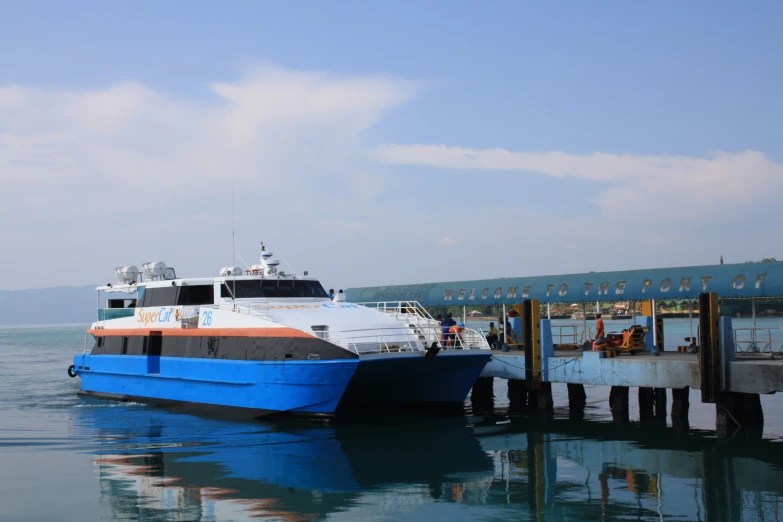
265	297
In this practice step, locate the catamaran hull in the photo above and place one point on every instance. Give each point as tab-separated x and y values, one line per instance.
413	377
300	387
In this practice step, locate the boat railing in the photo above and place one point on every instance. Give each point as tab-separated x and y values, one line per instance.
473	339
399	308
428	329
87	348
395	339
756	341
256	309
418	330
372	340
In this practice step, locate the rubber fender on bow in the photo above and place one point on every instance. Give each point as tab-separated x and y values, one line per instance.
72	371
432	351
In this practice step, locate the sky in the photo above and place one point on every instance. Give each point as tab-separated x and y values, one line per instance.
385	143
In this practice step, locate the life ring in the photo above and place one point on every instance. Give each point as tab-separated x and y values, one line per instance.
72	371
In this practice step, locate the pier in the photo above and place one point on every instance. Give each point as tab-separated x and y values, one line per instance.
732	384
730	370
652	375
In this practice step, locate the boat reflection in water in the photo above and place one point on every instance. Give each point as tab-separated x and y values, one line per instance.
155	464
153	461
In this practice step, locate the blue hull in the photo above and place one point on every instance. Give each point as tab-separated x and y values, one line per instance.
264	387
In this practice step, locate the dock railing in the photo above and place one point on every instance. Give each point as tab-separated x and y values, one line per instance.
756	341
566	336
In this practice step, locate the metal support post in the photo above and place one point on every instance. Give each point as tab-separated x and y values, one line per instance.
503	326
753	332
584	322
690	318
655	327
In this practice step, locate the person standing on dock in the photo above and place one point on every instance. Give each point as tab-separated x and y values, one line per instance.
600	333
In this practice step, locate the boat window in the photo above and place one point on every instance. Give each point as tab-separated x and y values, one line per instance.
112	345
164	296
272	288
137	345
320	330
121	303
196	295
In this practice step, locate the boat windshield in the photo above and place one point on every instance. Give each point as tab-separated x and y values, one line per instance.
271	288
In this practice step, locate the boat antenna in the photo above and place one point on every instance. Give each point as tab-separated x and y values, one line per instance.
233	249
243	262
288	264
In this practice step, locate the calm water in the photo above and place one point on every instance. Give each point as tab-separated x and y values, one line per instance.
67	458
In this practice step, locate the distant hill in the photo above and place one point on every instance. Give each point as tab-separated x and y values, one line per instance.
62	304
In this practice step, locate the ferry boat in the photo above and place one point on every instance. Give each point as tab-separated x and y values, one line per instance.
260	341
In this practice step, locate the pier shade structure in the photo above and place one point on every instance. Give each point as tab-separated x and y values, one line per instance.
730	382
744	280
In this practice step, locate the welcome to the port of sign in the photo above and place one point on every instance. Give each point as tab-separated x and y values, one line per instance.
729	281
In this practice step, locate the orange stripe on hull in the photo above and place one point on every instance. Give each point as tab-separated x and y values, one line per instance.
199	332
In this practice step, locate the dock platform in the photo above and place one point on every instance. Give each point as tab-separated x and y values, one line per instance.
747	374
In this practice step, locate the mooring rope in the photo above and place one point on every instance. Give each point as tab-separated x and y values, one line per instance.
543	369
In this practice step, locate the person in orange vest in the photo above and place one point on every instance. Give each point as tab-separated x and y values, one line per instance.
600	333
455	332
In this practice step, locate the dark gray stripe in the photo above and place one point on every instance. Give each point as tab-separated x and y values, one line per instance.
225	347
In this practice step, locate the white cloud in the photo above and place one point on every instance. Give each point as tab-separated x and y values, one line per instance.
680	184
125	174
137	170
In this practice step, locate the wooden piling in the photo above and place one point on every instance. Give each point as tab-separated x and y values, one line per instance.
709	347
735	412
577	400
541	401
618	403
517	395
646	404
680	407
481	396
754	415
659	398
